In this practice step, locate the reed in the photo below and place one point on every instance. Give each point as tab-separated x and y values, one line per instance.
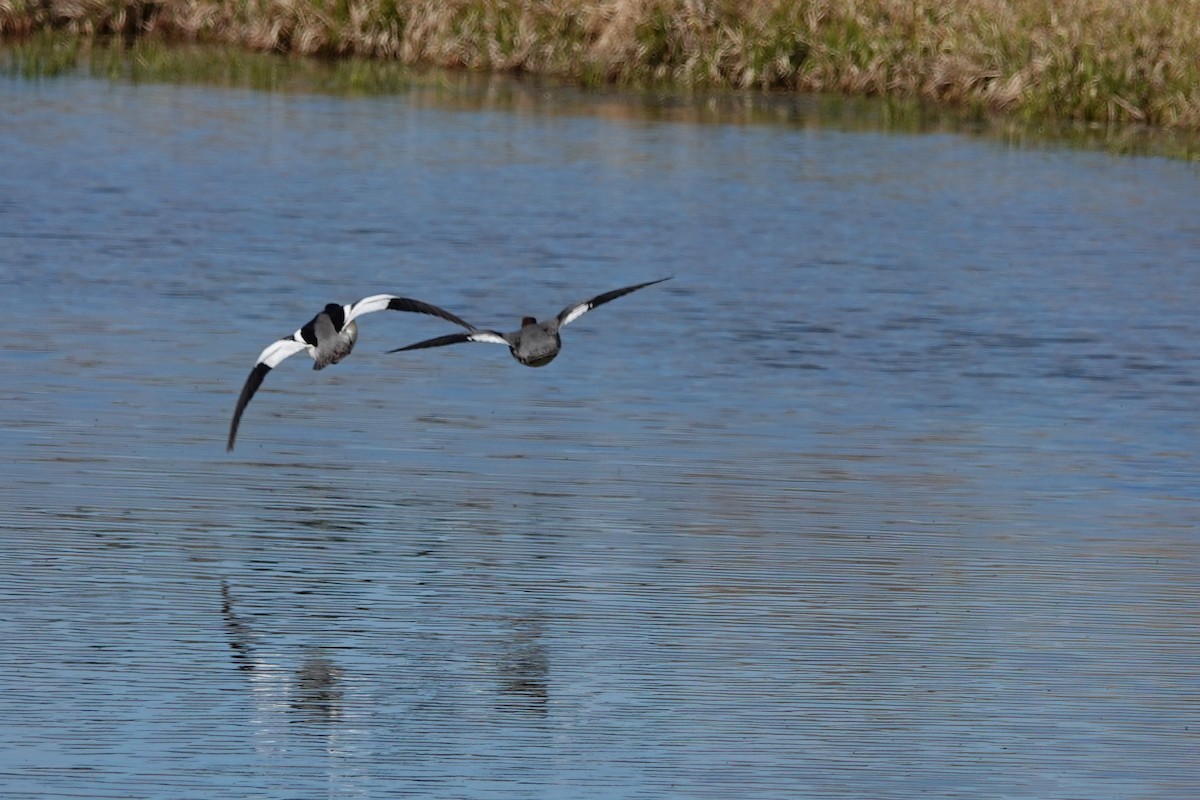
1096	61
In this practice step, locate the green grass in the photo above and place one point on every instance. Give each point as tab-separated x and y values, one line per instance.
1103	62
154	60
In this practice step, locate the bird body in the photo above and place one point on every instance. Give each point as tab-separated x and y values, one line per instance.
535	344
328	338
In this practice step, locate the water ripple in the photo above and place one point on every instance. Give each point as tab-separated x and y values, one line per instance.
889	493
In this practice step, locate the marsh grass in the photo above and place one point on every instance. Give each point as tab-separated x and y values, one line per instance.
150	59
1093	61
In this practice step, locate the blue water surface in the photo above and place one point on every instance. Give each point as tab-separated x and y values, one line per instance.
891	491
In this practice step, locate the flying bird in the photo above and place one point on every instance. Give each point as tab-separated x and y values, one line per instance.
536	343
328	337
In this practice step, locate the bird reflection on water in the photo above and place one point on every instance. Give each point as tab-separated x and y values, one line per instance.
318	691
524	668
314	692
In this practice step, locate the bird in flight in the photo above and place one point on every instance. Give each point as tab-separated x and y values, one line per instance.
536	343
328	337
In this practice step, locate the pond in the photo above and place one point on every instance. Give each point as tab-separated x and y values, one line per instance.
889	492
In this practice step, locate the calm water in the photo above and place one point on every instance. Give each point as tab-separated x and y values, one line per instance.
892	492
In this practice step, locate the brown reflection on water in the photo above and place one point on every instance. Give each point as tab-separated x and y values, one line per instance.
147	60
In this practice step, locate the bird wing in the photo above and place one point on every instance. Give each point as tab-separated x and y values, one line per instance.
270	358
572	313
390	302
278	350
455	338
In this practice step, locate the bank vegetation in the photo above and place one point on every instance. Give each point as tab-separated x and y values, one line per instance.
1100	61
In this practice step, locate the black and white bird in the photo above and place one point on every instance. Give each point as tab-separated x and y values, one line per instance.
536	343
328	337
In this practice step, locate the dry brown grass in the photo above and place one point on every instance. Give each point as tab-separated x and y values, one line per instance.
1093	60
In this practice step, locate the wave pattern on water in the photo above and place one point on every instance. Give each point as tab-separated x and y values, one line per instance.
889	492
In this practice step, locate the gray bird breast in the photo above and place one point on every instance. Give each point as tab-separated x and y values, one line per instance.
333	350
537	361
537	348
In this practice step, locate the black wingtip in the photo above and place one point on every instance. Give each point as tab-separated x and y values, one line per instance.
576	310
420	307
440	341
253	381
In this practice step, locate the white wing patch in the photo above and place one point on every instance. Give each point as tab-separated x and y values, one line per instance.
281	349
574	312
368	305
486	336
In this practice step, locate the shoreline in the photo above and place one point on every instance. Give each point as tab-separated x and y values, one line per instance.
1099	62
